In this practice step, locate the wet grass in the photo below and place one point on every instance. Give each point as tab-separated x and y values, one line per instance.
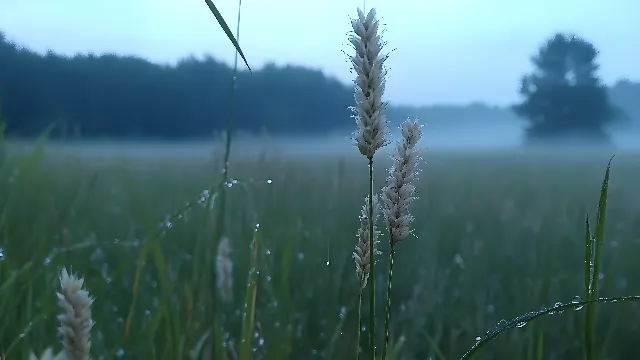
498	234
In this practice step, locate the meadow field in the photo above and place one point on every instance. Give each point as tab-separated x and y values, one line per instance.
498	233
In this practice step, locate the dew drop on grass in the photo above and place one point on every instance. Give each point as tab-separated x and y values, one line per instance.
269	181
1	254
478	338
343	312
560	311
521	324
576	300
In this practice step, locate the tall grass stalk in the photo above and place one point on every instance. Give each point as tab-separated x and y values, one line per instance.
368	64
397	195
220	223
249	309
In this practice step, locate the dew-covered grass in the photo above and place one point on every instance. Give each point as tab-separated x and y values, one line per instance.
499	233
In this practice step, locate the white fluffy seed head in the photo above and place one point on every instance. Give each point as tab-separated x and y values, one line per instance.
361	255
75	318
368	64
224	268
399	191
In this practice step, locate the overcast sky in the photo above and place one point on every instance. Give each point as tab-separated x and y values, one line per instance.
444	51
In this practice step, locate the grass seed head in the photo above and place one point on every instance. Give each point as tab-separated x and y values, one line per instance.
361	255
75	319
368	64
399	191
224	268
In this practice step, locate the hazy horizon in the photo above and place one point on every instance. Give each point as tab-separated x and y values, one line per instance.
455	53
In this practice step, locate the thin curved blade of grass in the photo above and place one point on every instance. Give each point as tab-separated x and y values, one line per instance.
246	347
136	289
595	254
435	347
196	352
523	320
226	30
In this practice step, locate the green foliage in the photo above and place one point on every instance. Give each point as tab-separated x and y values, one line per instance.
468	269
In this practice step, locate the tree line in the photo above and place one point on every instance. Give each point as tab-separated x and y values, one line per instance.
115	96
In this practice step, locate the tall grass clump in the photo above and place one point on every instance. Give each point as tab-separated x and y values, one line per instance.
371	135
592	263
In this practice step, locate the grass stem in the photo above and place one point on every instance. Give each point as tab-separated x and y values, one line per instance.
372	261
392	256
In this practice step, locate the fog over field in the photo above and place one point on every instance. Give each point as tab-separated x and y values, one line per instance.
459	140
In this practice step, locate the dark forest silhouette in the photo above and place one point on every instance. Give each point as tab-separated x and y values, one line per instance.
110	96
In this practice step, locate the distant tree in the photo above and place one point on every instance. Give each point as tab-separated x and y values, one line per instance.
564	99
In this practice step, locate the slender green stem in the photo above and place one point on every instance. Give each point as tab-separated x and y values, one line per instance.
222	186
392	257
359	324
227	151
372	273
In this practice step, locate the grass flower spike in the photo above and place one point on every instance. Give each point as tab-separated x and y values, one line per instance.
368	64
75	319
361	254
224	267
400	191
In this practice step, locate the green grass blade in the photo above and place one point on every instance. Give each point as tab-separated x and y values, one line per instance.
524	319
226	29
246	347
595	268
